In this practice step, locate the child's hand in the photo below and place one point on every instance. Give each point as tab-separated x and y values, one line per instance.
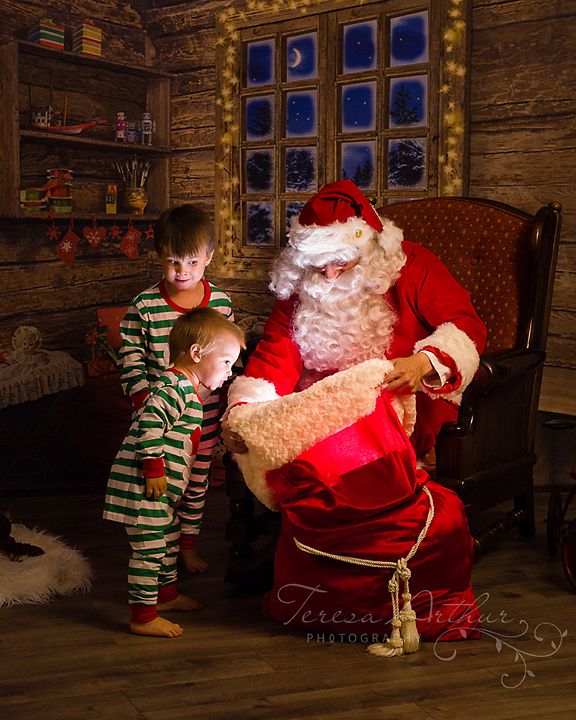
156	487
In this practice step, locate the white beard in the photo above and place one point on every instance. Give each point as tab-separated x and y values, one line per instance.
342	323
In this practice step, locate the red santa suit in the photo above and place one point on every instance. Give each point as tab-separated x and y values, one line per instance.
430	311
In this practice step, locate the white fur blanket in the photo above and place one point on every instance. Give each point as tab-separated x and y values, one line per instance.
61	570
278	431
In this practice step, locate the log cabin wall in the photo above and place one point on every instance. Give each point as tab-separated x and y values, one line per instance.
523	136
61	299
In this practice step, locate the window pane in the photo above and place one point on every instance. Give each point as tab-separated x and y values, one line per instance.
260	118
301	114
300	164
357	163
409	101
359	41
409	39
359	107
407	163
260	224
292	208
260	63
301	63
259	171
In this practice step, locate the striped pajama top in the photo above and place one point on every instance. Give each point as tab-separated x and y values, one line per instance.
145	328
162	430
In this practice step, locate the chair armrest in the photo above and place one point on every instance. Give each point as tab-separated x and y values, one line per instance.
496	371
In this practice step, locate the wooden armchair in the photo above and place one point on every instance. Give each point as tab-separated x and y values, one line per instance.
506	259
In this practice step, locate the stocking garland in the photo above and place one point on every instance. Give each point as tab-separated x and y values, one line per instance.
95	236
129	243
66	248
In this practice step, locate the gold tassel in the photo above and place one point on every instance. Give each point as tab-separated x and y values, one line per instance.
393	647
408	629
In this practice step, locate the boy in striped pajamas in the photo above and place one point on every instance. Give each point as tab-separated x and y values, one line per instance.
151	472
184	242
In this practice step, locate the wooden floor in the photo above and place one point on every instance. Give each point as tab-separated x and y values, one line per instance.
73	659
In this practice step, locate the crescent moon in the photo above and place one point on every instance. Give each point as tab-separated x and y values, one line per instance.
297	58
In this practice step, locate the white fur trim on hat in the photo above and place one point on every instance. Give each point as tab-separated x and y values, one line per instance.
249	390
455	343
278	431
339	236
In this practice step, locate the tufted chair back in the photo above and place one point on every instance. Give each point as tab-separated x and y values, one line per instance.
493	250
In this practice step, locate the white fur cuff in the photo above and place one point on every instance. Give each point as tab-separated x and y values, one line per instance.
250	390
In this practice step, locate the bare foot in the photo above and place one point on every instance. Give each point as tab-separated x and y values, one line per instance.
159	627
192	562
180	602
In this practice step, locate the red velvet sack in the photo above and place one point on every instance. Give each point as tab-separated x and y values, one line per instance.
358	494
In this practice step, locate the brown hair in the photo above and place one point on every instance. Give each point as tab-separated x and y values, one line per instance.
184	230
202	327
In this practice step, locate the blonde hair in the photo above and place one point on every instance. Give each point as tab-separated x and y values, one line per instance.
184	230
201	327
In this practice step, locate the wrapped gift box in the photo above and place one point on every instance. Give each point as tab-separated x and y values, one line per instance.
87	39
48	33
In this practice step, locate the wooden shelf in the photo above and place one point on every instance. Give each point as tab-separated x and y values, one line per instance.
34	76
145	71
45	217
48	137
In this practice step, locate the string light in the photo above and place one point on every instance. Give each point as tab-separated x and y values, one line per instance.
228	39
452	86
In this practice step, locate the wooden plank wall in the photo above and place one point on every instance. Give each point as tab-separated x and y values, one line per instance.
523	144
523	137
35	286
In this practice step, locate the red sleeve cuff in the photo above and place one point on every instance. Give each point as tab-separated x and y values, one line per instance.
138	398
153	467
455	380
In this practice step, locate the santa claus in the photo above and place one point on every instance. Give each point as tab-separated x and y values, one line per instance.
350	289
353	502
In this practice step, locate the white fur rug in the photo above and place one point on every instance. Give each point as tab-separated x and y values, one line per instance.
61	570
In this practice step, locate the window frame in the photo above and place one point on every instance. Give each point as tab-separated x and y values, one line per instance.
447	108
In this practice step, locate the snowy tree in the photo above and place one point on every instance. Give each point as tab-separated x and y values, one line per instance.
403	113
406	164
300	170
260	118
259	171
260	230
364	173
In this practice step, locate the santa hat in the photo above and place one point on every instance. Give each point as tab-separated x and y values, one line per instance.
340	216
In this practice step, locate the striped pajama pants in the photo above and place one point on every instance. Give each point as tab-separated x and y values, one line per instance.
191	507
153	563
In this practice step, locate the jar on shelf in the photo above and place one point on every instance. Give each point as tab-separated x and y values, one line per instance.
135	200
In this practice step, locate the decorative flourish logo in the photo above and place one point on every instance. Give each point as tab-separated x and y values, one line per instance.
547	633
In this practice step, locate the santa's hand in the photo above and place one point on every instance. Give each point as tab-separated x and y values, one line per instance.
232	440
407	373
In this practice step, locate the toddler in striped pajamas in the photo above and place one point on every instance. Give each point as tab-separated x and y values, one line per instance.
151	472
184	241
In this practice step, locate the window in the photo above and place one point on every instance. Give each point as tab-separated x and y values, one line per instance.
355	92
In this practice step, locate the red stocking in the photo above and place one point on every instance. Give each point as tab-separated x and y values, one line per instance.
129	243
66	248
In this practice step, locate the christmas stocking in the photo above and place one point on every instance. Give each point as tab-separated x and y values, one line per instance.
66	248
129	243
